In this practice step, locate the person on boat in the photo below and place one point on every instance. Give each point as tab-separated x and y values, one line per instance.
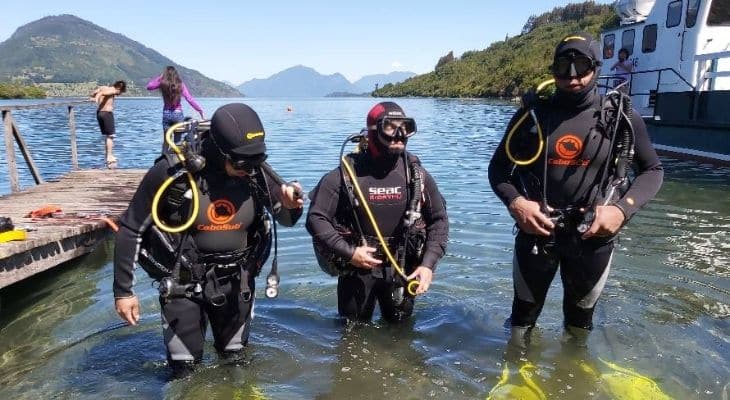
623	68
204	240
562	171
104	96
173	89
379	222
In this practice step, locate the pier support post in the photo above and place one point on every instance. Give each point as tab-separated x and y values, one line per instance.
10	152
72	135
26	152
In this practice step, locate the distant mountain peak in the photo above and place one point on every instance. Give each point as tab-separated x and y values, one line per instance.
303	81
67	49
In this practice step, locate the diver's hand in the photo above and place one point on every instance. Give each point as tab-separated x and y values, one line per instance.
424	276
607	222
363	257
529	217
290	200
128	309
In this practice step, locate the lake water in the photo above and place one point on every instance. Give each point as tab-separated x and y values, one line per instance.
665	312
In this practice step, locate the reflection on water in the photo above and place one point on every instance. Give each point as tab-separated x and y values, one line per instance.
664	313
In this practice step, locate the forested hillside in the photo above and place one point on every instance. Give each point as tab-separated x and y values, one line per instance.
508	67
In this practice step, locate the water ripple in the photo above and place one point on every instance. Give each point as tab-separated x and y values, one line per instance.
664	309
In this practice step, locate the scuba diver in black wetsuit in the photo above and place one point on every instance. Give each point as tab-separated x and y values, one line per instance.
204	239
569	189
379	222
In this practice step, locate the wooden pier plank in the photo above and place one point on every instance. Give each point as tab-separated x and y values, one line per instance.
83	196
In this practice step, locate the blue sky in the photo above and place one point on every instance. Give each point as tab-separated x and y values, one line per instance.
236	41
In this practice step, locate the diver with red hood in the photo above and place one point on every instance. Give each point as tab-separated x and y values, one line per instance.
378	221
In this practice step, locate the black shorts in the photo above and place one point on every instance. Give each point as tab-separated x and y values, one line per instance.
106	122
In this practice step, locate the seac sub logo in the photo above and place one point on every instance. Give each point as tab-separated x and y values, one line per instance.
568	148
385	193
220	213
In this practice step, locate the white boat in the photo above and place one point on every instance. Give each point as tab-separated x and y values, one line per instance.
680	83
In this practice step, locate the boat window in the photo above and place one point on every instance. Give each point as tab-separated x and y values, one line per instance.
648	39
692	8
674	13
719	13
627	40
608	43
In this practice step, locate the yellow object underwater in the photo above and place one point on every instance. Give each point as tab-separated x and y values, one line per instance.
529	391
619	384
15	234
627	384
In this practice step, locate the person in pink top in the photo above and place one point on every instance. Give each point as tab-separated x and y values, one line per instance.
173	89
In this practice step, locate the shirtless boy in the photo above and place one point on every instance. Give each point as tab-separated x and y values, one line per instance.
104	98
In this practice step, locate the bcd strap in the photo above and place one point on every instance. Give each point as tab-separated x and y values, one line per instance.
616	111
160	251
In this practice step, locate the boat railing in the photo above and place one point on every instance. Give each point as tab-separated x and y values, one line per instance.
659	72
12	134
642	92
707	71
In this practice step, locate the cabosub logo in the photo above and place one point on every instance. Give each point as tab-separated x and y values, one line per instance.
220	213
568	148
252	135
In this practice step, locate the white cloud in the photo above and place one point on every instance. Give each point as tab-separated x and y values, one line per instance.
396	64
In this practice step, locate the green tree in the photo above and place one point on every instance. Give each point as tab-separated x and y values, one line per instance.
17	91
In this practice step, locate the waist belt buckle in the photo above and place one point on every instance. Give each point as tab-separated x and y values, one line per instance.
226	270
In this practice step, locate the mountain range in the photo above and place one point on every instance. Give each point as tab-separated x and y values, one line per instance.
301	81
69	55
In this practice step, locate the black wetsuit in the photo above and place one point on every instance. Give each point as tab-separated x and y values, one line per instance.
577	150
229	211
383	182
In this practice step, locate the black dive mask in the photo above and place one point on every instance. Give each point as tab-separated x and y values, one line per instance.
392	129
573	65
247	164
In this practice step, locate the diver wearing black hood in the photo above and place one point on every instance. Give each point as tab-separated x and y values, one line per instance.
556	186
384	175
206	272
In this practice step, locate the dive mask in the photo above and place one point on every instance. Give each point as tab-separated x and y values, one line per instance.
246	164
573	65
392	129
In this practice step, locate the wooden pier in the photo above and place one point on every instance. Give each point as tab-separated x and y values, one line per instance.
88	199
